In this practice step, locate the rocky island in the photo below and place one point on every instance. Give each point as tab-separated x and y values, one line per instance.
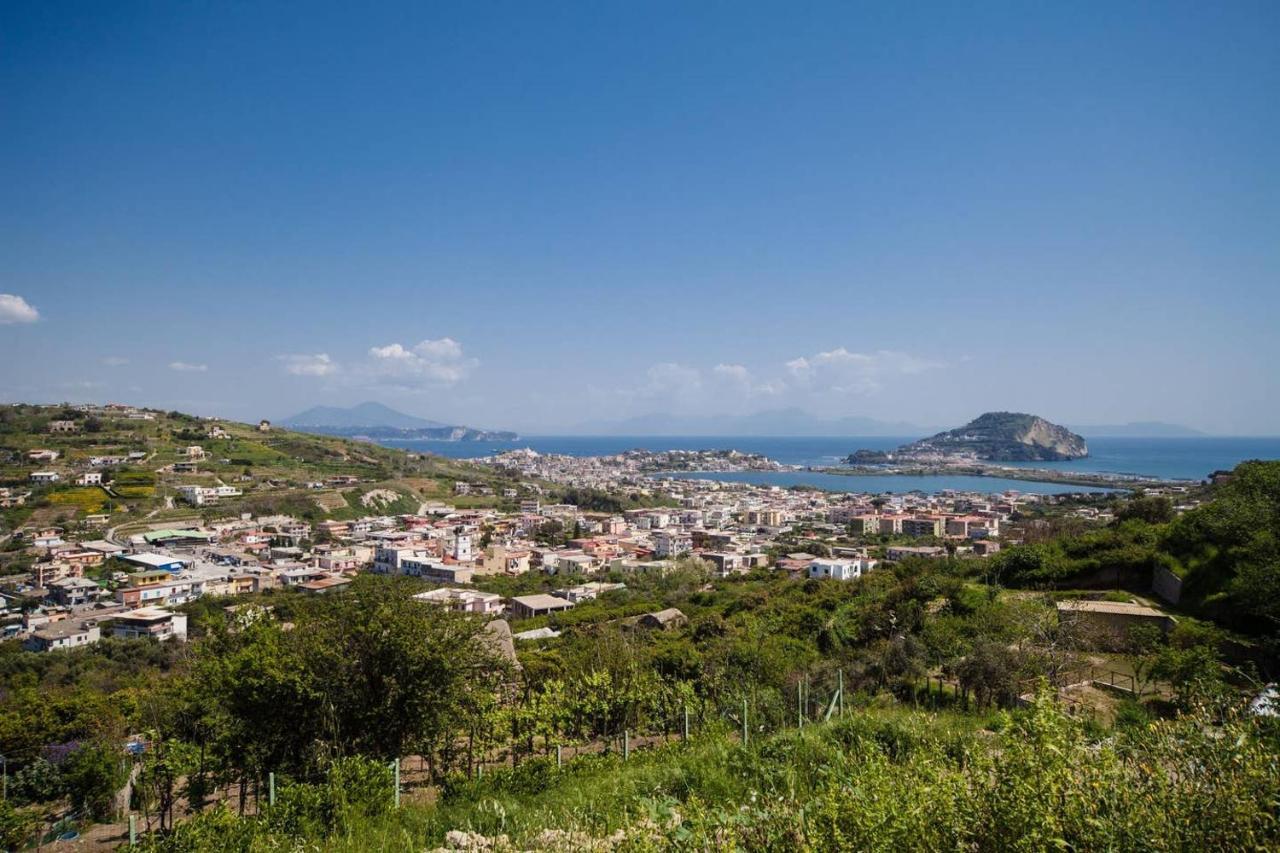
992	437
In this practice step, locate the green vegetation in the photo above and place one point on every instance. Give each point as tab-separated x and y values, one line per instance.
876	779
276	470
1227	552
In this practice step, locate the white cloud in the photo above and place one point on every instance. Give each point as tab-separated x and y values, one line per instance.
671	378
115	361
15	309
845	372
301	364
430	362
187	367
740	379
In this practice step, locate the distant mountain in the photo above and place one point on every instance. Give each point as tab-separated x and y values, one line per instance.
773	422
376	421
1138	429
994	436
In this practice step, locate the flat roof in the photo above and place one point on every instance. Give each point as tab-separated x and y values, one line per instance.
158	561
1126	608
156	535
146	614
542	601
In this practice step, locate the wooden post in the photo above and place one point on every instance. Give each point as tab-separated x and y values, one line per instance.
686	722
559	757
271	788
626	744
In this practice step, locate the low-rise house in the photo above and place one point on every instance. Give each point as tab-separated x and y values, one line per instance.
154	622
840	569
49	537
503	559
326	585
464	600
73	591
103	547
44	476
902	552
587	591
64	634
540	604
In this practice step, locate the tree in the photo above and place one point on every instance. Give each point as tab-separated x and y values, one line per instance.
1152	510
371	672
94	773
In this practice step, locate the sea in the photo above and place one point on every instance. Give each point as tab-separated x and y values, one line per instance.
1170	458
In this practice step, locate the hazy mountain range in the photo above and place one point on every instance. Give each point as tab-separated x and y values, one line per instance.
374	420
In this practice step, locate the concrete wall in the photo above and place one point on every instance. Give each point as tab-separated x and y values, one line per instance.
1166	585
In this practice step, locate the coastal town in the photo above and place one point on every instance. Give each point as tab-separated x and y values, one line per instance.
94	575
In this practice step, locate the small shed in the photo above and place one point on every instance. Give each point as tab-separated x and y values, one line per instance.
664	620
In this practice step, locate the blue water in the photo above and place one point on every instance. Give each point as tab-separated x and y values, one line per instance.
895	483
1179	458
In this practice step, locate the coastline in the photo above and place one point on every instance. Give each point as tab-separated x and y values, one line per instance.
978	469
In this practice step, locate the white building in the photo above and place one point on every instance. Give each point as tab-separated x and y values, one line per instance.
840	570
671	543
464	600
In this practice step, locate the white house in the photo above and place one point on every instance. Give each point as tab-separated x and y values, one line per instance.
840	570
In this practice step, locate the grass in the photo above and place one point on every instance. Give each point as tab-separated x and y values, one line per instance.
89	500
880	778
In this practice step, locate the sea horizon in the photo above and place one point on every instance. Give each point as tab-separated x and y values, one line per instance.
1182	458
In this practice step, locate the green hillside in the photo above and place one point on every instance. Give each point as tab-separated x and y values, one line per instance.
276	470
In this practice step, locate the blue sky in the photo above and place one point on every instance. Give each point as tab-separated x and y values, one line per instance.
533	215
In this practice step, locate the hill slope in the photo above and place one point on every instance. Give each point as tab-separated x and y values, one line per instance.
993	436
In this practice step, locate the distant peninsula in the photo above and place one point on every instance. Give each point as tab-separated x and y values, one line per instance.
377	422
994	437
